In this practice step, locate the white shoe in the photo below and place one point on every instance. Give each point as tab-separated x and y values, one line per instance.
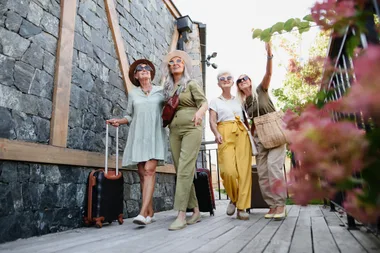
151	219
231	209
140	220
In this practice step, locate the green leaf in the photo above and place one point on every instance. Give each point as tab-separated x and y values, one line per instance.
352	43
278	27
303	26
266	35
256	33
289	25
308	18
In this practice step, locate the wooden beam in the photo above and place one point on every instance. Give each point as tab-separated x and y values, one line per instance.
40	153
62	79
113	22
172	8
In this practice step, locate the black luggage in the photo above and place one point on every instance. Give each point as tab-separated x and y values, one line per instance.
257	200
105	193
204	191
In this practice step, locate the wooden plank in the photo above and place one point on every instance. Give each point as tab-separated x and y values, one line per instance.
368	241
301	241
322	238
260	241
172	8
41	153
62	79
119	44
280	242
346	242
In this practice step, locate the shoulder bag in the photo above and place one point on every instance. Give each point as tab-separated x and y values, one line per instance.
270	128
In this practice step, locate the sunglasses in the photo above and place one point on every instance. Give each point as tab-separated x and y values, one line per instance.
222	78
178	61
242	79
141	68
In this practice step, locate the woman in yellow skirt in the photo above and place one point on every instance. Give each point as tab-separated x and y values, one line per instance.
234	147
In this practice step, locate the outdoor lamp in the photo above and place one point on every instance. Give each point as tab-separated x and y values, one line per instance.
184	27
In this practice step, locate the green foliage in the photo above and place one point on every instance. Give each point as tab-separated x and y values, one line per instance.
280	27
295	93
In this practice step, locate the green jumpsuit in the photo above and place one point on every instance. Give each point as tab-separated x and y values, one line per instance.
185	141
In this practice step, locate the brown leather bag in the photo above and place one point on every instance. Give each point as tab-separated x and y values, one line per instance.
170	108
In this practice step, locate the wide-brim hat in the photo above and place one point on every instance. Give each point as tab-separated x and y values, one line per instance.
183	55
133	67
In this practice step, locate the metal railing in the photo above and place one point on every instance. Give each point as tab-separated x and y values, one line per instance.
342	79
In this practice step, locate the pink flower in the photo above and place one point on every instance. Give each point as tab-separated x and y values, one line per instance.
363	212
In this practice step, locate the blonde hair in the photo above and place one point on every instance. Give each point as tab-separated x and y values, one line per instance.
240	94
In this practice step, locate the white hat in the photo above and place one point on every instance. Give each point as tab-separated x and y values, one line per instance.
183	55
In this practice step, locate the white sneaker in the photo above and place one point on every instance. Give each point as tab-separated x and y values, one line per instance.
231	209
150	219
140	220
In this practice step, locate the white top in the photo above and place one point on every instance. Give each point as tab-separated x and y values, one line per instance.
226	109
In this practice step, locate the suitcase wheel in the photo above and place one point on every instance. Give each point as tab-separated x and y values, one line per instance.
87	223
98	224
120	219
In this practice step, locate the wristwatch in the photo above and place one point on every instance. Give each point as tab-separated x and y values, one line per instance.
270	57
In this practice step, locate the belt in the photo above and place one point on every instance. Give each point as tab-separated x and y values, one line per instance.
237	124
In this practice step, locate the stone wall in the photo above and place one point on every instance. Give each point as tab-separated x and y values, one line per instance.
38	199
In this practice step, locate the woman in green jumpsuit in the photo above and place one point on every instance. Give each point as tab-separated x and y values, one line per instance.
185	132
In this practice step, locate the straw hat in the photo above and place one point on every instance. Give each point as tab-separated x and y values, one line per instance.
183	55
133	67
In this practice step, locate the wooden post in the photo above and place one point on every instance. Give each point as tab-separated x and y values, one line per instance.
119	45
63	70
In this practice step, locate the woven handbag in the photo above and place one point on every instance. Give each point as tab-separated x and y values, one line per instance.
170	108
270	128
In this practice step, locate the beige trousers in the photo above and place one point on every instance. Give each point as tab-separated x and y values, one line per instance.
270	164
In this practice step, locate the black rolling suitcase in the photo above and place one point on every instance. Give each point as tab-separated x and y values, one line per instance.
105	193
257	200
204	191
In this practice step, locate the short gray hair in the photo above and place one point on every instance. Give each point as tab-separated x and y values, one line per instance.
224	73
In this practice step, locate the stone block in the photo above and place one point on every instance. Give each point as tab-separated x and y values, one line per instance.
23	172
43	3
67	195
42	85
93	103
34	56
28	29
86	11
49	196
133	208
88	140
50	24
55	8
86	31
24	74
37	173
74	139
32	195
44	107
20	6
75	117
35	13
42	129
46	41
87	83
49	63
105	58
70	174
78	97
82	44
6	71
25	129
81	195
13	21
13	44
8	172
10	228
78	25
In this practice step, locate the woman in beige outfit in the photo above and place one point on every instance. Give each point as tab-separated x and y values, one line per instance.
269	161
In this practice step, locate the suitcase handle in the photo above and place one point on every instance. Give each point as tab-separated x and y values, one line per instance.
117	151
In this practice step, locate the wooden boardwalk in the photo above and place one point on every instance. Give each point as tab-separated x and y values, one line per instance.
307	229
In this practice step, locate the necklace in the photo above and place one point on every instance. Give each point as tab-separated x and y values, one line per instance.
146	92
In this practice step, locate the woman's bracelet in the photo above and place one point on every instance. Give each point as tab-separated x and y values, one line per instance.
270	57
